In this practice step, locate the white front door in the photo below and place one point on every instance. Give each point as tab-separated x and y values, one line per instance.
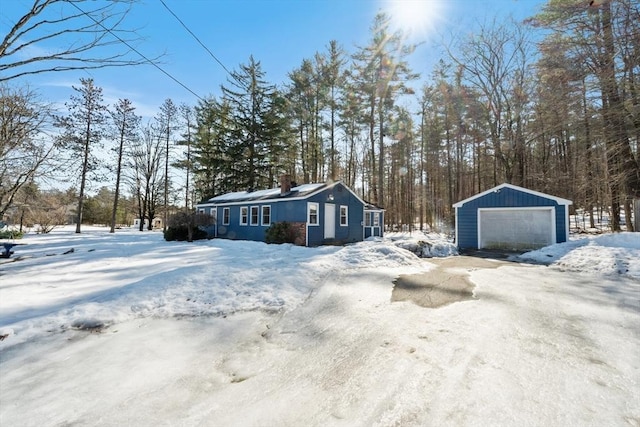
329	221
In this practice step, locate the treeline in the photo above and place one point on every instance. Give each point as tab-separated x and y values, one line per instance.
552	104
43	210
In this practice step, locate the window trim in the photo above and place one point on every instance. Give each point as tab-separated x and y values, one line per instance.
262	209
226	216
346	215
316	205
251	223
244	209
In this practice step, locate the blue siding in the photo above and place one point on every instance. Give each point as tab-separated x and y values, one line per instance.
296	211
341	197
467	226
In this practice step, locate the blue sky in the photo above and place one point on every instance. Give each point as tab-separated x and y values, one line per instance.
278	33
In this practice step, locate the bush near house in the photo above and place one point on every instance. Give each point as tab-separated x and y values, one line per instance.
281	232
181	233
185	226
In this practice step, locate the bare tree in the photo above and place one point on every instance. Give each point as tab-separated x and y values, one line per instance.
146	176
24	156
86	35
497	64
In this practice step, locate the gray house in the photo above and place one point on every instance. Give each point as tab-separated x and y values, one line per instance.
324	213
511	218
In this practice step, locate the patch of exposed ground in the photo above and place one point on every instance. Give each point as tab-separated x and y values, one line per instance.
447	283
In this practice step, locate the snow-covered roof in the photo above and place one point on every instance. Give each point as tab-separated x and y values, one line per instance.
558	200
270	194
372	207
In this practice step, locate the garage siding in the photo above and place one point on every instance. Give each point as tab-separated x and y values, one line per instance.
467	215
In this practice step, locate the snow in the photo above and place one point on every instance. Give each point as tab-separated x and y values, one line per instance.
131	330
605	254
425	245
263	194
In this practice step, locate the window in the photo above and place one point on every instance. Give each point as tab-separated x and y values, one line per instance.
266	215
344	216
225	216
201	211
244	215
367	219
376	219
214	215
254	215
312	214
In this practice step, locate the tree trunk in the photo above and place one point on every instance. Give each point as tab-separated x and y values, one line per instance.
118	172
83	179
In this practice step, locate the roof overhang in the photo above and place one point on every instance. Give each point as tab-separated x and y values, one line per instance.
558	200
275	198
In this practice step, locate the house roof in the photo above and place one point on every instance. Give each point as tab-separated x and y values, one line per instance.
558	200
372	207
272	194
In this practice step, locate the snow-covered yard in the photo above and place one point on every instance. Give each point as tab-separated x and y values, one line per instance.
131	330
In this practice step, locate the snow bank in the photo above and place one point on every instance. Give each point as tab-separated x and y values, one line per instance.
66	281
424	245
617	253
315	339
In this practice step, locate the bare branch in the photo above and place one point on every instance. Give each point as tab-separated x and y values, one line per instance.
92	36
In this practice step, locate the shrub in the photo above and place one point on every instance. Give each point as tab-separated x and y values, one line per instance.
180	224
181	233
10	234
280	232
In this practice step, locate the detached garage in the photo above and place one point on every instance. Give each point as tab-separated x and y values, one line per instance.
508	217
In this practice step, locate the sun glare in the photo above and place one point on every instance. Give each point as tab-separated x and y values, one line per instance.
417	19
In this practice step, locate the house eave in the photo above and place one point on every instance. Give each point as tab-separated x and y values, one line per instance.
558	200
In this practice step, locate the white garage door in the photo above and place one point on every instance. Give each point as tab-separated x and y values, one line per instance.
515	228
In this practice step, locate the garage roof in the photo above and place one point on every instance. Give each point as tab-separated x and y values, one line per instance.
558	200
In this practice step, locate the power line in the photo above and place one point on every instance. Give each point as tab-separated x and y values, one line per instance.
138	52
196	38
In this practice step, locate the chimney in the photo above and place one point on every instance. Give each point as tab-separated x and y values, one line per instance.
285	184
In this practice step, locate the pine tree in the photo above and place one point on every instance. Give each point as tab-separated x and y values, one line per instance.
83	130
166	122
382	75
251	128
603	38
125	123
187	139
211	165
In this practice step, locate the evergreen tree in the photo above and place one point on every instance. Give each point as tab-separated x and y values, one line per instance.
304	102
165	124
605	39
83	130
211	164
187	137
333	79
251	128
382	75
125	129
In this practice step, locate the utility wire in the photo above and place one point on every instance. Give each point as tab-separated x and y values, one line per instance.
138	52
196	37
